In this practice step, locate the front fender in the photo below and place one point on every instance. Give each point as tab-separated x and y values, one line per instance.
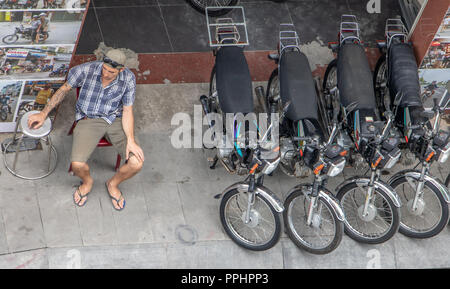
259	190
415	175
325	194
363	182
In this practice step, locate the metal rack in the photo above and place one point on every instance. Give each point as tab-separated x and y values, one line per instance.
288	37
395	28
349	29
227	31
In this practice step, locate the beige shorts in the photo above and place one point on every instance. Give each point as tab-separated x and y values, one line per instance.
88	132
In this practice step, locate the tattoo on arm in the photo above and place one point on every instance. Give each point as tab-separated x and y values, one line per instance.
57	98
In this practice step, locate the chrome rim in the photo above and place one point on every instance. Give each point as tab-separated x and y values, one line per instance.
257	232
431	214
331	78
318	236
379	225
275	90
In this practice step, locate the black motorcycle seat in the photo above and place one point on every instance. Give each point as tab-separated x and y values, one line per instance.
404	77
355	77
233	81
297	86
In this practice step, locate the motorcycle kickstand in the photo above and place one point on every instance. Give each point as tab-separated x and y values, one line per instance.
214	163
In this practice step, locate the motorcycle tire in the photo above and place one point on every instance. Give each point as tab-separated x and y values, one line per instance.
297	239
241	240
10	39
200	6
273	84
377	79
361	236
438	227
3	116
332	65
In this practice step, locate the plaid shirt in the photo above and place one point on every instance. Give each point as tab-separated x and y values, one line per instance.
95	101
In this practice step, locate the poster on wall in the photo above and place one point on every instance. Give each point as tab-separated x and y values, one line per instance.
37	42
21	27
35	62
42	4
434	71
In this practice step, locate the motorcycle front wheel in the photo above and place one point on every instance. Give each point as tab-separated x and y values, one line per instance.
264	229
431	215
381	222
200	6
324	234
10	39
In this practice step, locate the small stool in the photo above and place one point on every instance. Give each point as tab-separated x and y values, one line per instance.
42	134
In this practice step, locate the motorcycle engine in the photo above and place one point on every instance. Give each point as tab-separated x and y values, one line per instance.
287	149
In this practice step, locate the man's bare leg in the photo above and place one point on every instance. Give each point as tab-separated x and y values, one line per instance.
81	170
126	171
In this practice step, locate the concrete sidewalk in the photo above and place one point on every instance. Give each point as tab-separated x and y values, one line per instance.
171	219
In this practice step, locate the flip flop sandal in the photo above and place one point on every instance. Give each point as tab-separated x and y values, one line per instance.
81	198
117	200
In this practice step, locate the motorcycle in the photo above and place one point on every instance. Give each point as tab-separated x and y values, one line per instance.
371	207
200	6
60	71
19	4
230	92
25	33
55	4
425	200
250	213
4	112
312	217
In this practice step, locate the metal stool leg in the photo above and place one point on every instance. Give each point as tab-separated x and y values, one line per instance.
19	142
50	145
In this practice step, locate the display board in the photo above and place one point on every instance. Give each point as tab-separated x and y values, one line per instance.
434	70
38	39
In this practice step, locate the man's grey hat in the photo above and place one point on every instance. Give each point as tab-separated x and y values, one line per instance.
117	55
43	14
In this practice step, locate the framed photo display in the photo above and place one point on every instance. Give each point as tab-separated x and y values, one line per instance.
38	39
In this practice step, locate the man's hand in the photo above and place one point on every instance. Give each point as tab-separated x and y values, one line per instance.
133	147
35	121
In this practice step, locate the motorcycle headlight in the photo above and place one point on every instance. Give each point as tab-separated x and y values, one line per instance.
336	167
270	166
444	153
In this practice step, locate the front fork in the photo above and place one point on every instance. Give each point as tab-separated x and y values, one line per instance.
420	184
375	175
253	182
313	200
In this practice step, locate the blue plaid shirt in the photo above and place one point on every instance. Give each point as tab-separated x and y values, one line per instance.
95	101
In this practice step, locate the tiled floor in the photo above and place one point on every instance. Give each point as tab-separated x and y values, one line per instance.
158	26
171	219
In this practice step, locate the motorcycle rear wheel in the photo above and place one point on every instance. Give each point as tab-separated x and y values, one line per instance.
379	76
10	39
3	116
200	6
